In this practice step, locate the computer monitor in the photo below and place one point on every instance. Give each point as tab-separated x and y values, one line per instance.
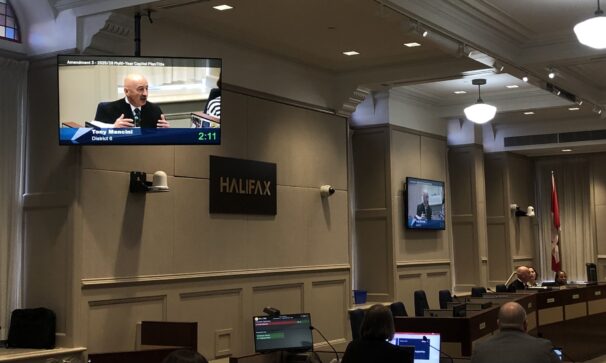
287	332
427	345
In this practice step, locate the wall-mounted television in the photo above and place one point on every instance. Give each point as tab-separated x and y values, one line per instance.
424	204
113	100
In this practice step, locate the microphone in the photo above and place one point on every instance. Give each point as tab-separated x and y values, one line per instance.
326	340
425	339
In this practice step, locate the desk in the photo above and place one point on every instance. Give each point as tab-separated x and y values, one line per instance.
558	314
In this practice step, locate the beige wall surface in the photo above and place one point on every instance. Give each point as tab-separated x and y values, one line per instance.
118	257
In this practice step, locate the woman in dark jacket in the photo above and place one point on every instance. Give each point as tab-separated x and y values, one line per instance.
374	346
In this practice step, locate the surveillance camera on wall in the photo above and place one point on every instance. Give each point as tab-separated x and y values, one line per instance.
326	191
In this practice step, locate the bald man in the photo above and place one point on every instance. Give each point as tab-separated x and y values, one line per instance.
512	344
133	110
521	281
423	209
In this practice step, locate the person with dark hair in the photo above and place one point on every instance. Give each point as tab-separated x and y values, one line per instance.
184	356
513	344
532	280
374	346
561	278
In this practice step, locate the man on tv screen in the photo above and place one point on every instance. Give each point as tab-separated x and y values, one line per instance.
133	110
424	209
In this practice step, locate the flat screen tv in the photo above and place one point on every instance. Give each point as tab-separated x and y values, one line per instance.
286	332
112	100
424	204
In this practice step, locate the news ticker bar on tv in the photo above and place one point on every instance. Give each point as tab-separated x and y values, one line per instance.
139	136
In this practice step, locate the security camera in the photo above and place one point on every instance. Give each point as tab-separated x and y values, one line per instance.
326	191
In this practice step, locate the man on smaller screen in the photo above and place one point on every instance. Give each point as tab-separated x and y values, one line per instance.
133	110
423	209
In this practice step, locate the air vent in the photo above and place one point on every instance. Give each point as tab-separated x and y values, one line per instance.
583	136
563	137
531	140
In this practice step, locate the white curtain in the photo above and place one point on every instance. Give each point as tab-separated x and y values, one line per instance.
577	226
13	96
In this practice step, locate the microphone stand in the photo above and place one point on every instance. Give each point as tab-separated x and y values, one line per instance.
326	340
438	350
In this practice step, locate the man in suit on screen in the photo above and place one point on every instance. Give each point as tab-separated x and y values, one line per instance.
133	110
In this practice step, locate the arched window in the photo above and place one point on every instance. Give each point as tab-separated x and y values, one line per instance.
9	26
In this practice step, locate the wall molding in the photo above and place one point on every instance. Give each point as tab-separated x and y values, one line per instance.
445	261
129	300
174	278
522	258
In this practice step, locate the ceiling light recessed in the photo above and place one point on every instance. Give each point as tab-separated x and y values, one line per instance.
222	7
460	92
528	113
350	53
573	108
566	150
512	86
551	74
412	44
525	79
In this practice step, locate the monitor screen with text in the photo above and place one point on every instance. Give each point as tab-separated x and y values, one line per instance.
290	332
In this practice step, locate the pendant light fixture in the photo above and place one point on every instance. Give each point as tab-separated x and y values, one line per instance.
592	32
480	112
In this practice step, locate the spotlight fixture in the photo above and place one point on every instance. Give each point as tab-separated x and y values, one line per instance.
591	31
223	7
498	66
420	30
579	101
349	53
551	74
480	112
566	150
528	113
525	78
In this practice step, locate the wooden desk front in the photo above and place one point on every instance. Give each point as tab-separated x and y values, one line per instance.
544	309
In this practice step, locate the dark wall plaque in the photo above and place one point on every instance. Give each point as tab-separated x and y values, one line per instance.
242	186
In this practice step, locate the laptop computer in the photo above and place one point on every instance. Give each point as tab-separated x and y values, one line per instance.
426	345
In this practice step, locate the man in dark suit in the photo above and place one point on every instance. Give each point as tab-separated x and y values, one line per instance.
512	344
423	209
133	110
522	277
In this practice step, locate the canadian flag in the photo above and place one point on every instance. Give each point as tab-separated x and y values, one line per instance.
556	263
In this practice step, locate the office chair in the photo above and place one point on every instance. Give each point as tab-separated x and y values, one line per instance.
478	291
444	297
501	288
356	317
420	302
398	309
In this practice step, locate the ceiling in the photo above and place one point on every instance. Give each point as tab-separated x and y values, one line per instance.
526	37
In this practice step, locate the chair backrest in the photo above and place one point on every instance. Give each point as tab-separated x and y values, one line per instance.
420	302
478	291
501	288
398	309
444	297
356	317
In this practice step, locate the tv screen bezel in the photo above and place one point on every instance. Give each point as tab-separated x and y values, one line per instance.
406	199
203	136
288	349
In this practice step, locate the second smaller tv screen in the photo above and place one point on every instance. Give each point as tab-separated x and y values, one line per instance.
424	204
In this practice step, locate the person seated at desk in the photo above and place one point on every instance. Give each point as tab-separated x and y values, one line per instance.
184	356
532	280
374	346
424	209
522	277
133	110
561	278
512	344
